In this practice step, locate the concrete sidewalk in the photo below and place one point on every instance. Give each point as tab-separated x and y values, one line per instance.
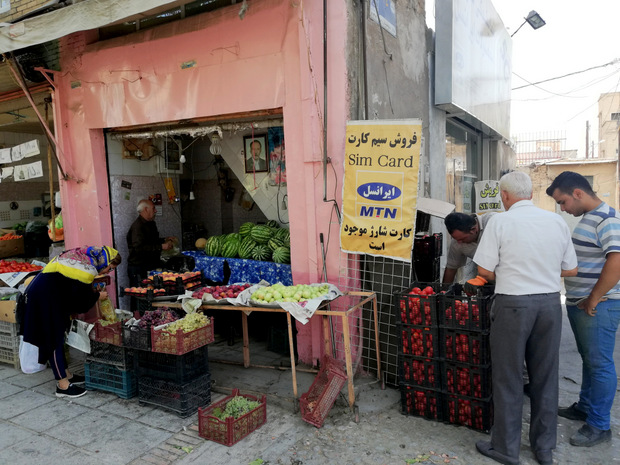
100	428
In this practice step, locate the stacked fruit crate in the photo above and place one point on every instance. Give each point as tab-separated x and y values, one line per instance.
109	368
444	358
9	343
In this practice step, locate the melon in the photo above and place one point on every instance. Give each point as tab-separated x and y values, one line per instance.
230	248
262	253
200	243
274	243
283	234
261	234
273	224
282	255
245	228
246	247
213	246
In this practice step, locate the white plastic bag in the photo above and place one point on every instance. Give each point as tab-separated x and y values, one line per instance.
29	357
78	335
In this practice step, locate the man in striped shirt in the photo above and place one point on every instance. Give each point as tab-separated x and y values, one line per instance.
592	304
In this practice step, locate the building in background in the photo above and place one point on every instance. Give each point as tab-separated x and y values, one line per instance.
609	125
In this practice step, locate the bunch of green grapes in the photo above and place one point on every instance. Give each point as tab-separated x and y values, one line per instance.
189	323
236	407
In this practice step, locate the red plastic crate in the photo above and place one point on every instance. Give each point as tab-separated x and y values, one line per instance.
318	401
419	371
111	334
181	342
465	347
474	413
231	430
467	380
421	402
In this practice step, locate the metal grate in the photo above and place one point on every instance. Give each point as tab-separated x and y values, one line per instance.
24	214
382	276
5	216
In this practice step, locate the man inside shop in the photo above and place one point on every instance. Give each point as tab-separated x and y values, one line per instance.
144	243
466	231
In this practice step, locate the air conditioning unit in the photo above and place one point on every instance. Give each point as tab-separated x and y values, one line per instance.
169	156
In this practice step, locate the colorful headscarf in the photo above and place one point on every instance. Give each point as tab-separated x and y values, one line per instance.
82	264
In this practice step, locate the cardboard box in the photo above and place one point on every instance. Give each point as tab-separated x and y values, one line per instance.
12	247
7	310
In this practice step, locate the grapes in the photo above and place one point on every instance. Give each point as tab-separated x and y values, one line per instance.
281	293
157	317
235	407
189	323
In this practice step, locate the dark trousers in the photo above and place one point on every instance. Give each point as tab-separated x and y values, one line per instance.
58	362
525	328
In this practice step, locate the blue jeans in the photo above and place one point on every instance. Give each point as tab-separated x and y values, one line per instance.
596	337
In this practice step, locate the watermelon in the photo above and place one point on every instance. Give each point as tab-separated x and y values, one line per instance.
273	224
213	246
233	237
282	255
230	248
274	243
245	229
261	252
246	247
261	234
283	234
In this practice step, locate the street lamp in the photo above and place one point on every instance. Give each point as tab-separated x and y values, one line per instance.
533	19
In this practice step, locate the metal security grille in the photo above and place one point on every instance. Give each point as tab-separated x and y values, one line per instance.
382	276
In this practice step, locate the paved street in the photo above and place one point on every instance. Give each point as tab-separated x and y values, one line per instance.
100	428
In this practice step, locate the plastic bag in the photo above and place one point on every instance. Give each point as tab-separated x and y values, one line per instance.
29	357
107	310
78	335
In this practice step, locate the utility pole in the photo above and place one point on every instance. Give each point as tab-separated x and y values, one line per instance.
587	137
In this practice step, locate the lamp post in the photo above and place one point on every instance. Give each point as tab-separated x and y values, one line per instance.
533	19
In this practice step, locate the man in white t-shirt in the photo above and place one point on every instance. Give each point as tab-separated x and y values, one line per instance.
466	231
525	250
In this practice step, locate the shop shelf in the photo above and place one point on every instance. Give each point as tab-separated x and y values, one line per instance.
10	356
476	414
318	401
111	334
467	380
419	341
421	402
465	346
181	342
110	378
463	312
419	371
182	398
102	352
179	368
231	430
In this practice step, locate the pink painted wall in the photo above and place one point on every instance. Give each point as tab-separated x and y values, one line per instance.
273	58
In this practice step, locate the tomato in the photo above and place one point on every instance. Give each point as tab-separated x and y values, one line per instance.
415	290
428	290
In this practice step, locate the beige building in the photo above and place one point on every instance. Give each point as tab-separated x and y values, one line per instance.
608	125
602	174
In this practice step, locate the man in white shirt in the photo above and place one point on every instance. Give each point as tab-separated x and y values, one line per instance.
466	231
525	251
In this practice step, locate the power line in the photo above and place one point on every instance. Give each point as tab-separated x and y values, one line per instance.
613	62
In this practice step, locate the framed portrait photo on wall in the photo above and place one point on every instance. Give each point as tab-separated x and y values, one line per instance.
255	150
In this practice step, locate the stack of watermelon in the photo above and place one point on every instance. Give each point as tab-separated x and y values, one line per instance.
263	242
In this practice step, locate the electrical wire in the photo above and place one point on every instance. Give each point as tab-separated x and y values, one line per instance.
613	62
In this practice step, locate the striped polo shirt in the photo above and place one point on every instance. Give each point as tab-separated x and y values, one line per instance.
596	235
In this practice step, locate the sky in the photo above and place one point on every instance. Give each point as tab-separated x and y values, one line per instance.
578	35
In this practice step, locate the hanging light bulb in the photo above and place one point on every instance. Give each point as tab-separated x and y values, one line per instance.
192	196
182	158
216	148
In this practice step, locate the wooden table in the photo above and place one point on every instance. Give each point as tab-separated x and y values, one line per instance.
323	311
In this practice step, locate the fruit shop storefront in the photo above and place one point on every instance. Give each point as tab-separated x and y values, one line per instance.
204	136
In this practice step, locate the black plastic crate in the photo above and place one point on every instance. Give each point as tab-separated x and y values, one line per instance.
102	352
419	371
179	368
137	338
476	414
427	270
467	380
470	347
413	308
427	247
419	341
421	402
183	399
110	378
463	312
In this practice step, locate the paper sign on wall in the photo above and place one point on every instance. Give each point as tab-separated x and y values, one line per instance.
380	187
487	197
5	156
